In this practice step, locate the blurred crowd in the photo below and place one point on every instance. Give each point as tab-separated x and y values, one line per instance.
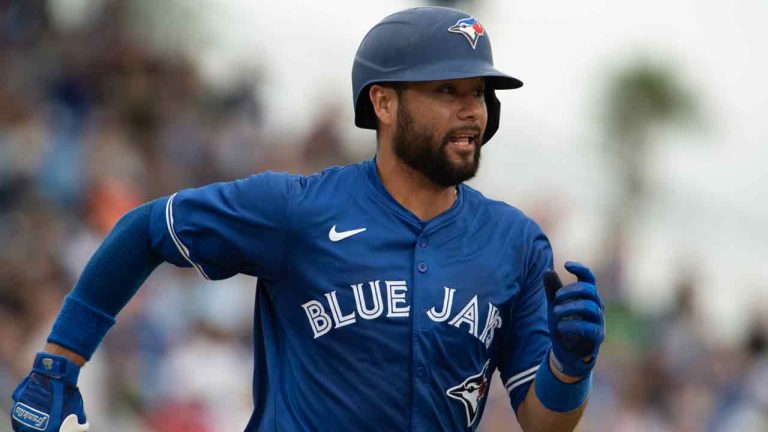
94	121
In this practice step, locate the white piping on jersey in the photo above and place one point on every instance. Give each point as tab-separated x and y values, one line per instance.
521	382
521	378
179	245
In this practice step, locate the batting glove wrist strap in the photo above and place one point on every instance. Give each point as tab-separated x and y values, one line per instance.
556	395
80	327
56	367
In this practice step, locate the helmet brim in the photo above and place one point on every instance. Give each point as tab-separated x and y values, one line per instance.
365	117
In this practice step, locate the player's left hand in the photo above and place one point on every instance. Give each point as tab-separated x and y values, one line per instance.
576	321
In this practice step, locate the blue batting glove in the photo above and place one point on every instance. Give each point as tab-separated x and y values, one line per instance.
48	399
576	321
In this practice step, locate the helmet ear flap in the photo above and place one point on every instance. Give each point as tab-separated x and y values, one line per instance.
365	117
494	110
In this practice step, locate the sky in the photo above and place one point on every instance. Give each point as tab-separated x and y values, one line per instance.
709	182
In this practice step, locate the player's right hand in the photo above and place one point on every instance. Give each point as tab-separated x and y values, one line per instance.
48	399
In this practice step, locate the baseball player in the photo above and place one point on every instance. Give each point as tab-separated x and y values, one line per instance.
388	291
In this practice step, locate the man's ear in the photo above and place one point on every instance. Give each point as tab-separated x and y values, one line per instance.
384	101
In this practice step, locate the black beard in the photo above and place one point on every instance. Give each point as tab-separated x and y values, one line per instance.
422	152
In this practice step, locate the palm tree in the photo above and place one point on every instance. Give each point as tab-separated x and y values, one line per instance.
641	98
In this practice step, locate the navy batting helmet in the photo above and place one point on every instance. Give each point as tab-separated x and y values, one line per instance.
426	44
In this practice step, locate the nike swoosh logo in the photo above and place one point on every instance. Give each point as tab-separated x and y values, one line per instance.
337	236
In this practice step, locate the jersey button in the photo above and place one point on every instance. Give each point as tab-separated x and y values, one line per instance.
423	242
420	371
422	267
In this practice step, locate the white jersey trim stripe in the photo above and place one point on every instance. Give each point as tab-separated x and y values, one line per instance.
523	376
521	382
179	245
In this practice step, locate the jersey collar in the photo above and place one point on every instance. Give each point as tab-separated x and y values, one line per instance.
383	197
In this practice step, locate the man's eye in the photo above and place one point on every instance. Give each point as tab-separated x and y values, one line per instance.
447	90
479	92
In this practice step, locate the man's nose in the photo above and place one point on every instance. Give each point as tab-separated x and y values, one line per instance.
472	107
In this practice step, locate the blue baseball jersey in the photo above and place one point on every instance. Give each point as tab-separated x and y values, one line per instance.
367	318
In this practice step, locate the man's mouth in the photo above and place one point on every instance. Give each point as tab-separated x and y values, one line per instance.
463	139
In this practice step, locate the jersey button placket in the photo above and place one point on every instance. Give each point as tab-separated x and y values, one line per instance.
422	276
424	273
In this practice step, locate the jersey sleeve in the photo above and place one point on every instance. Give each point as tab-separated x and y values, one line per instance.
226	228
526	338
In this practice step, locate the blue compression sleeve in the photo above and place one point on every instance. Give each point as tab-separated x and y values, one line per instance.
113	275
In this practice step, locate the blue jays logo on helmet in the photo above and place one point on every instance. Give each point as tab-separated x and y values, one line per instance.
470	28
470	393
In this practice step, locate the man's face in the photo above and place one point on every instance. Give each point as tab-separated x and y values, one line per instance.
440	126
